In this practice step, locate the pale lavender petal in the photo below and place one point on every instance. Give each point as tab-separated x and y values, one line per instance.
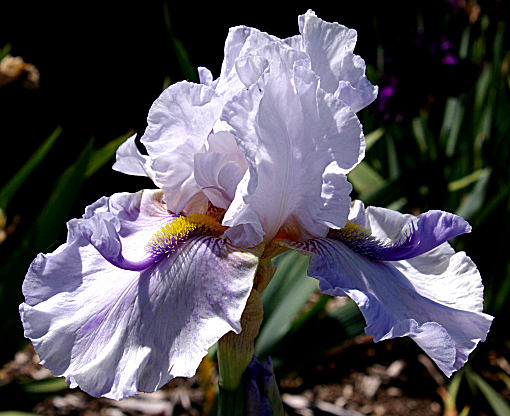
129	160
114	332
250	69
242	42
218	170
120	224
420	234
408	236
435	298
205	76
179	123
284	123
330	47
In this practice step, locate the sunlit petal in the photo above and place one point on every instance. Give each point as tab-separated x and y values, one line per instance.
116	332
330	47
436	298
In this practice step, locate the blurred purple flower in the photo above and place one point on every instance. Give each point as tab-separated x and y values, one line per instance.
418	68
261	390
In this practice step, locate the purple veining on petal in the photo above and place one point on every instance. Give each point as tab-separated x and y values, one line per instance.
92	323
429	231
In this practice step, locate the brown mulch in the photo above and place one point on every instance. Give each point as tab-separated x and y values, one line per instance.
358	379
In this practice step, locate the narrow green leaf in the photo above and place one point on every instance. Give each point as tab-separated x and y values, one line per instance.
490	205
419	134
385	195
323	332
464	43
423	135
452	121
5	50
482	88
9	190
453	390
474	201
289	265
502	295
505	379
365	179
372	137
317	308
464	411
393	165
498	48
17	413
55	213
468	180
497	403
100	157
289	305
484	128
398	204
51	385
187	69
350	319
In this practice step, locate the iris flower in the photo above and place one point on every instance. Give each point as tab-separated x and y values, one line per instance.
247	166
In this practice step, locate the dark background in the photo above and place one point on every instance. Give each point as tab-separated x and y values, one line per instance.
102	67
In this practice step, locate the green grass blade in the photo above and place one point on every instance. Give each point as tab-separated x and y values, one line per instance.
393	164
187	69
56	211
289	265
452	122
321	333
453	391
475	200
482	89
464	43
419	134
5	50
100	157
502	296
372	137
289	304
495	400
467	180
366	180
350	319
46	386
17	413
9	190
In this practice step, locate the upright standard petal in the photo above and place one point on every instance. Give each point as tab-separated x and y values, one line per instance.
130	161
116	332
436	298
330	47
179	123
291	132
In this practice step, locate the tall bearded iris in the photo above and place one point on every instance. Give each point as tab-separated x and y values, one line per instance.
248	165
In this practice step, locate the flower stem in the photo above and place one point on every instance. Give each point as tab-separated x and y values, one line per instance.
236	350
231	402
